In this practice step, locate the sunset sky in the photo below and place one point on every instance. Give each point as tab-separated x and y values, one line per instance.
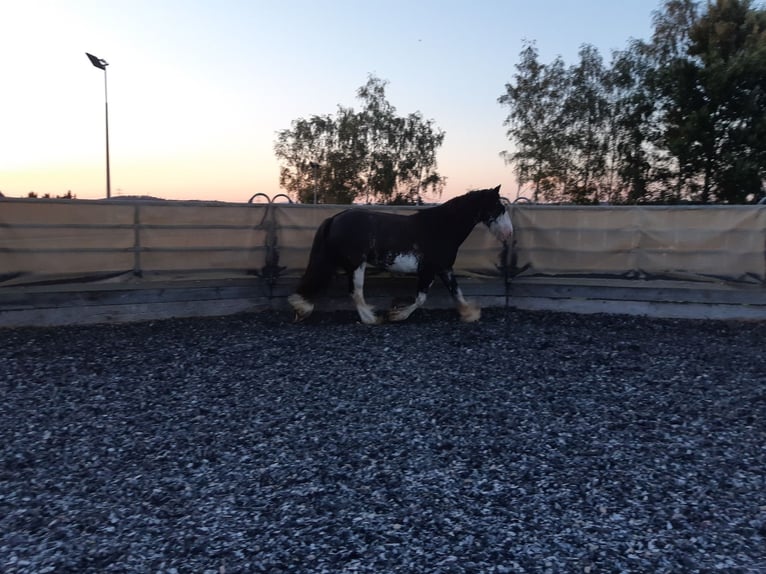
197	89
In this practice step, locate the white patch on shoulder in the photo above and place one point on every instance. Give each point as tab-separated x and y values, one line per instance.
404	263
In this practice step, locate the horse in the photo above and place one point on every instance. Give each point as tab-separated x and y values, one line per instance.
425	243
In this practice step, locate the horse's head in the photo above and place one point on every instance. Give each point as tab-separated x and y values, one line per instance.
494	214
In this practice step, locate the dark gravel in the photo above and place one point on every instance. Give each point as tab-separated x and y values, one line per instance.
528	442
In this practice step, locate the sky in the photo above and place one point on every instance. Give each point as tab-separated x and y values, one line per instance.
198	89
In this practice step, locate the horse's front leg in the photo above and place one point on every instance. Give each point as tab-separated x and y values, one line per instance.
469	312
425	280
366	312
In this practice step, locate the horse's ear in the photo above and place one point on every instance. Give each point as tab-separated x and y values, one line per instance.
497	190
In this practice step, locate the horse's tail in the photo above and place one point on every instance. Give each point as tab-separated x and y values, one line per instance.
321	266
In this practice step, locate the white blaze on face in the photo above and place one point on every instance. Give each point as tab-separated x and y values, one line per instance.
502	228
404	263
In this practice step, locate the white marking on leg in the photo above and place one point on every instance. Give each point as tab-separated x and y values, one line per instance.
502	227
366	312
469	312
404	312
404	263
302	307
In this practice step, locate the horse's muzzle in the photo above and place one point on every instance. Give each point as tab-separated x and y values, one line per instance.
502	227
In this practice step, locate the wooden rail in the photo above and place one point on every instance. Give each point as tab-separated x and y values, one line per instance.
64	261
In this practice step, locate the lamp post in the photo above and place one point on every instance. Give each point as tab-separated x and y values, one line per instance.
102	64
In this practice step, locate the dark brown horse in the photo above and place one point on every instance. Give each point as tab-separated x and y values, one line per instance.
425	243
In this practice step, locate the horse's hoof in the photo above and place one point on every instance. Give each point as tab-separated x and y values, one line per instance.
470	313
397	315
367	315
301	306
374	320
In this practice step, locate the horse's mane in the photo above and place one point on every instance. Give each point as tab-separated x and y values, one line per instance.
467	198
470	195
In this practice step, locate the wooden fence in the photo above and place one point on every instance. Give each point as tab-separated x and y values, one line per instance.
57	254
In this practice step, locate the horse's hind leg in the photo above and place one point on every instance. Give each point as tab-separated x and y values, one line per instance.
366	312
318	274
401	313
469	312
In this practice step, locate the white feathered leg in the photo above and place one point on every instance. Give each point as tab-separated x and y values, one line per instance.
402	313
366	312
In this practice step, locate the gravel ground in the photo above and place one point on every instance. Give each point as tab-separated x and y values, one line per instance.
528	442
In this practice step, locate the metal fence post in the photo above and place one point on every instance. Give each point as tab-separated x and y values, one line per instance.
137	272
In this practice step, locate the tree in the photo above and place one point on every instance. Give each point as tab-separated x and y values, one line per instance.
584	123
711	87
681	117
730	42
533	99
371	155
683	135
631	123
67	195
557	119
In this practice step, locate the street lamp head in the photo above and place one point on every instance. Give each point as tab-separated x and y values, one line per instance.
101	65
98	62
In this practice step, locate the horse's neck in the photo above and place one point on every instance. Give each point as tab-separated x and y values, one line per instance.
453	220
